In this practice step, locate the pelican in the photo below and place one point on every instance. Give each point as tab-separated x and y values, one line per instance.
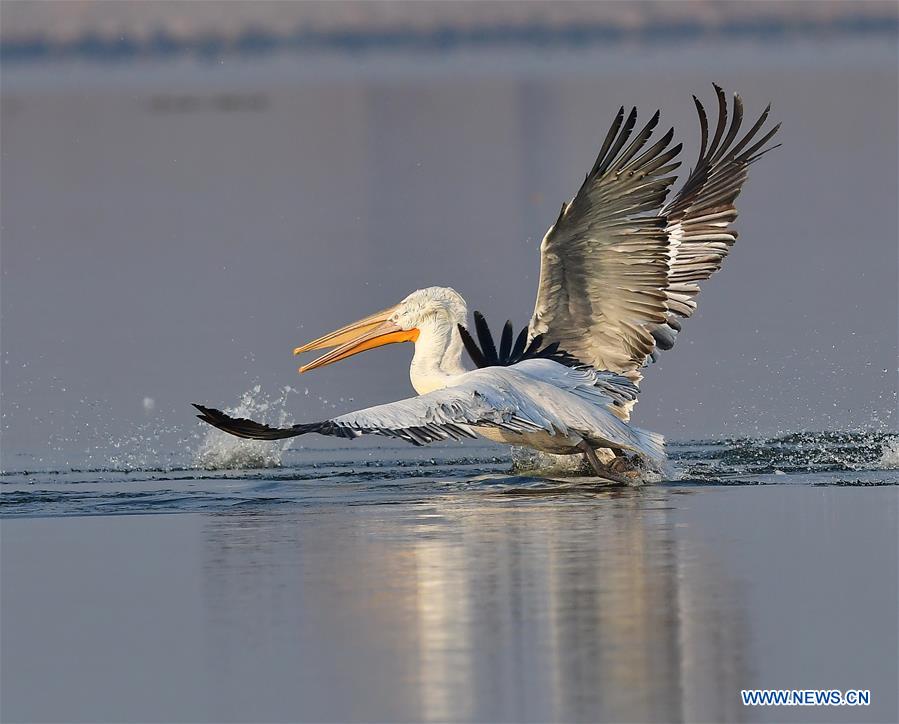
619	269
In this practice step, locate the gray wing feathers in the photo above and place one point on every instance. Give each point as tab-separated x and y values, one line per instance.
444	414
618	268
482	399
527	397
700	215
608	389
536	396
604	263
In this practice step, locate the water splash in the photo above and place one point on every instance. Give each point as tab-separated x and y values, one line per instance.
221	451
526	461
794	453
889	457
96	441
138	473
149	446
799	453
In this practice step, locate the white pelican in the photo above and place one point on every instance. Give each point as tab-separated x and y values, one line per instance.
618	269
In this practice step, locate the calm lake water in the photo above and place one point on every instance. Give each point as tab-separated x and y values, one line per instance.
171	230
403	584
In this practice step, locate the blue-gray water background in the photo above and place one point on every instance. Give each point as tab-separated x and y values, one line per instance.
173	226
171	230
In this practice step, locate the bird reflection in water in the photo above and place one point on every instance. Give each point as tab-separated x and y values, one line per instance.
508	603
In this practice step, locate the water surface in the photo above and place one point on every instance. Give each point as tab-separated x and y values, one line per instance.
172	229
402	584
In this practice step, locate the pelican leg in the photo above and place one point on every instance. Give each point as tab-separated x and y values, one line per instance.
604	471
622	462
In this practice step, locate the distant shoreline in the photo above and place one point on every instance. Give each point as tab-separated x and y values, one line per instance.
162	44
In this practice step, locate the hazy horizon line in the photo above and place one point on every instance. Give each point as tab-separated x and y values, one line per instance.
94	46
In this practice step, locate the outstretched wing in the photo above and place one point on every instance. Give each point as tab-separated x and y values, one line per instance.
536	395
699	217
485	398
542	397
604	263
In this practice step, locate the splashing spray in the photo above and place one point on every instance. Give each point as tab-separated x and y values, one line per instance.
220	451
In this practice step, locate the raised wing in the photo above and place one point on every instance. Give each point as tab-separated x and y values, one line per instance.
604	263
699	217
614	280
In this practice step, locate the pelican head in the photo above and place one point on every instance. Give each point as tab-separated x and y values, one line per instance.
434	311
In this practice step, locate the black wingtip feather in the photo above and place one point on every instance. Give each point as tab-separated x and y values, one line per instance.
607	143
505	345
250	429
474	352
488	348
520	343
510	354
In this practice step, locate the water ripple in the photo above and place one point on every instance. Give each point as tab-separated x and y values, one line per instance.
390	475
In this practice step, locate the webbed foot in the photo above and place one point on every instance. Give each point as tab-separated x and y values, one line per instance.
605	471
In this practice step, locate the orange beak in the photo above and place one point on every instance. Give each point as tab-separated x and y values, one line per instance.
373	331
